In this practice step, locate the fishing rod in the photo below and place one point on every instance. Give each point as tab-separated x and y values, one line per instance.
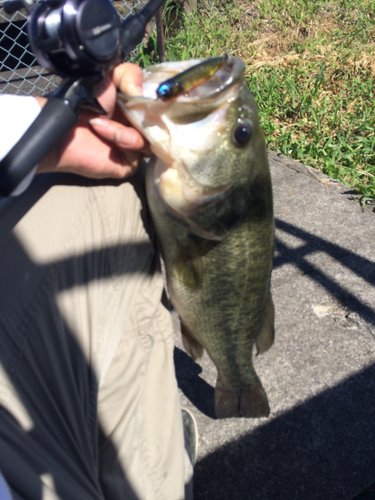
81	41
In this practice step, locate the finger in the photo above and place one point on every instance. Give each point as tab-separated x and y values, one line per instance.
99	159
42	101
131	160
124	137
119	116
117	164
106	93
128	78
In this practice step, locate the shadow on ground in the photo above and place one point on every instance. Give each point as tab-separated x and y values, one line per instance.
316	451
360	266
322	449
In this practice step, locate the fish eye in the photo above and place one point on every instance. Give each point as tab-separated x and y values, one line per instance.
242	133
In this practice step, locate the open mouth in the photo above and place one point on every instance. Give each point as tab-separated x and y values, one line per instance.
184	129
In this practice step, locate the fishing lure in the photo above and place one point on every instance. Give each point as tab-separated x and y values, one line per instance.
190	78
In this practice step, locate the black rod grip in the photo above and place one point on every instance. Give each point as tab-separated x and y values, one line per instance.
55	119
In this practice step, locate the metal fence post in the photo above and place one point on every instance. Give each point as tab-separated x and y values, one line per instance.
160	32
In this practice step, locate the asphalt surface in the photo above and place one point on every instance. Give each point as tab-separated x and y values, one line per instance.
319	441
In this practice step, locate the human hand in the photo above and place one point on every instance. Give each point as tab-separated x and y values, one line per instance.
102	147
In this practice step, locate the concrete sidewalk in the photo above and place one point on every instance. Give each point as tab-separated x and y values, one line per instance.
319	441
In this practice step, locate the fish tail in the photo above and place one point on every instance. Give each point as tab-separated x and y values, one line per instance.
249	402
192	346
266	336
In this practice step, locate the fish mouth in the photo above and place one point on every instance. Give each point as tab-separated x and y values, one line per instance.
186	126
231	73
157	119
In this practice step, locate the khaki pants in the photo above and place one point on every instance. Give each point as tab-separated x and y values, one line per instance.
89	407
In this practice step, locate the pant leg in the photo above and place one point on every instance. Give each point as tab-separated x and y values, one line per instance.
143	419
75	262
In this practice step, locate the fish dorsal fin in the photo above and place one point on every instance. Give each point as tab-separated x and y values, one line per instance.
187	265
266	336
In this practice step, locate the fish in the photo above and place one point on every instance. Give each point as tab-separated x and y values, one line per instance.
190	78
210	196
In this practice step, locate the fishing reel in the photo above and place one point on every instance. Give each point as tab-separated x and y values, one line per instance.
81	41
80	37
76	37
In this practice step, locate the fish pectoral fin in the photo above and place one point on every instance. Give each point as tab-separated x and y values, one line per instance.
217	214
191	345
187	266
249	402
266	336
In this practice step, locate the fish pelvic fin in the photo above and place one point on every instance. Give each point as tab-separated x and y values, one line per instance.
187	266
191	345
249	402
266	336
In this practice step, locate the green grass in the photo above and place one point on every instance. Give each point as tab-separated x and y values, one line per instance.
310	65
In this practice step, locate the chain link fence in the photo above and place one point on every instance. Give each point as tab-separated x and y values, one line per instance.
19	71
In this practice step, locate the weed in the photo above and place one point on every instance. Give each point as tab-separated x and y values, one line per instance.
310	65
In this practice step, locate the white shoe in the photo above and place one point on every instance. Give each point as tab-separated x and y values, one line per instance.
190	435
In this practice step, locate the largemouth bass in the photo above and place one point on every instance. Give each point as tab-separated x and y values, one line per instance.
210	196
